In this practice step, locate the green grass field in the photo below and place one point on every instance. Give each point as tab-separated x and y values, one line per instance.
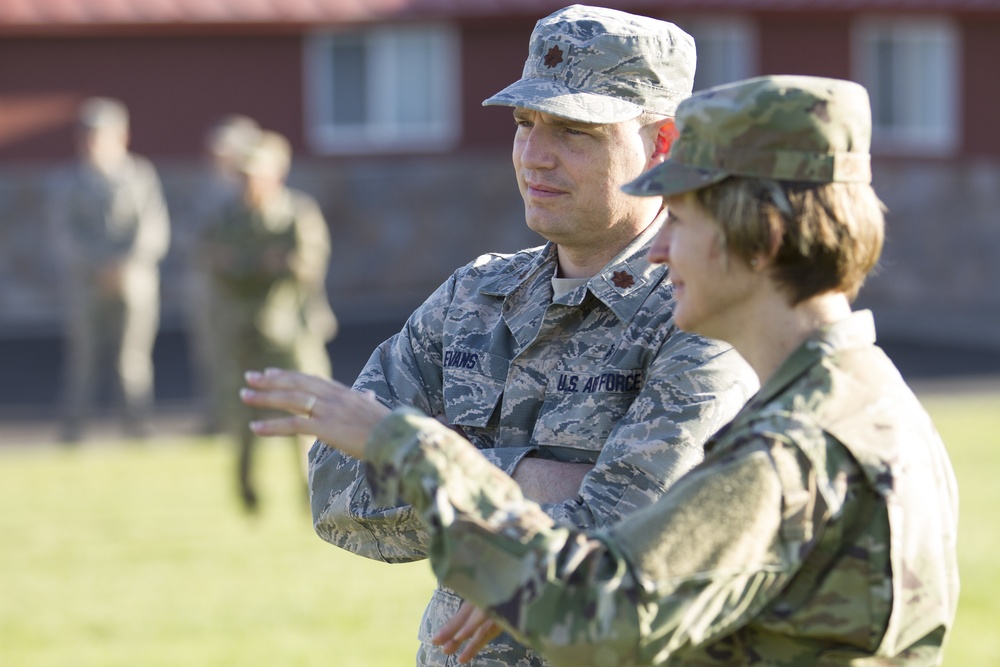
139	556
122	555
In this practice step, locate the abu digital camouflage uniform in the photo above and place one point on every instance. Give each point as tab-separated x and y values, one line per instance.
819	530
102	220
600	375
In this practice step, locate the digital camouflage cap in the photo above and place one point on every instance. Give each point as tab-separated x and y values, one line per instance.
597	65
786	128
98	113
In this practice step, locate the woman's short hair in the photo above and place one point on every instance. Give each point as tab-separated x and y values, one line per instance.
820	237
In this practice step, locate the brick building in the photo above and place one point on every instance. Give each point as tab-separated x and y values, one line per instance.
381	100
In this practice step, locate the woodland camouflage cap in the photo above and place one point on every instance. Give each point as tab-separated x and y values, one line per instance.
598	65
787	128
271	154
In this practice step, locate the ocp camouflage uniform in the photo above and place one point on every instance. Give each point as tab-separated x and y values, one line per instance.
101	220
268	272
600	375
819	530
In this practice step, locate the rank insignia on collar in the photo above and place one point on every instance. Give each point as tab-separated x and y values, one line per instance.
622	279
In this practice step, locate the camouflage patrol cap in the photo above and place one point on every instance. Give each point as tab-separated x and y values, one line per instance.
102	113
232	136
597	65
786	128
271	154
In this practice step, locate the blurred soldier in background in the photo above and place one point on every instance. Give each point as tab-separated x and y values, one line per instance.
268	255
111	230
219	185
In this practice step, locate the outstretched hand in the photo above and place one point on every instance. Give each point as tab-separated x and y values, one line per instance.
319	407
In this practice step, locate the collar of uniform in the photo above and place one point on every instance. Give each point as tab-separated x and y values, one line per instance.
522	267
625	283
856	330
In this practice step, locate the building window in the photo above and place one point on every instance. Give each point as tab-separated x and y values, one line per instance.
727	49
390	88
910	68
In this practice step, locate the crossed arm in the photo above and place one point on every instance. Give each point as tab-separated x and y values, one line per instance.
545	482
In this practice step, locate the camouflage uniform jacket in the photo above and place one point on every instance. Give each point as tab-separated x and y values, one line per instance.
269	268
102	219
819	530
599	375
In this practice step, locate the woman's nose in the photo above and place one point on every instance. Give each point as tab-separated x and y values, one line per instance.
659	251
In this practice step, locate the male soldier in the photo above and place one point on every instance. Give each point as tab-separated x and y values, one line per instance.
559	362
821	527
112	229
219	184
268	254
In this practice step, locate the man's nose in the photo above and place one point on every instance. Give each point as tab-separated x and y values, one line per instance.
536	149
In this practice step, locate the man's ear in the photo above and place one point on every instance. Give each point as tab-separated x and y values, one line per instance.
666	133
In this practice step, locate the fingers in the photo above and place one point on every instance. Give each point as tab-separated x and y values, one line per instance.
446	636
289	401
299	425
469	625
323	408
483	636
274	379
292	391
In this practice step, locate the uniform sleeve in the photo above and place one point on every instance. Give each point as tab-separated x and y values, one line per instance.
73	206
152	237
57	206
710	555
693	387
312	247
310	265
404	370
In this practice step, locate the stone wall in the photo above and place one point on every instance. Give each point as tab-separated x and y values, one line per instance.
940	271
398	229
400	226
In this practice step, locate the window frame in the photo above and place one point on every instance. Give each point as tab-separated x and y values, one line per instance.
713	28
918	137
383	134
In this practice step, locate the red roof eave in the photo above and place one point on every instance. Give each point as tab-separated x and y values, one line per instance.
88	16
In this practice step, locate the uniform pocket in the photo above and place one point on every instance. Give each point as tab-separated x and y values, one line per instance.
473	384
443	605
581	408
